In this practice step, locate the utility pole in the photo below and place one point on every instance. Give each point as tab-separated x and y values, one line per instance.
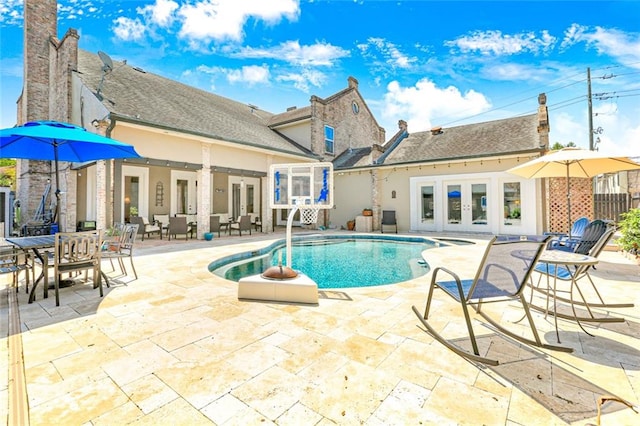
590	109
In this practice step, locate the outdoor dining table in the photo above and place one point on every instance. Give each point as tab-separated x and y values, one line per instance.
39	245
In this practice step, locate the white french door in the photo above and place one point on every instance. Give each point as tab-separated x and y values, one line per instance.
244	196
135	189
183	192
466	207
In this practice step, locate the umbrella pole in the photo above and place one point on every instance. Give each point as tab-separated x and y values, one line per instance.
55	156
568	203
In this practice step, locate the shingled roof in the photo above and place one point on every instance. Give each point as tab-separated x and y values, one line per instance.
290	116
491	138
149	99
353	157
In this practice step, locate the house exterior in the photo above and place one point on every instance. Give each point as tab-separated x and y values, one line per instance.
204	154
449	179
201	153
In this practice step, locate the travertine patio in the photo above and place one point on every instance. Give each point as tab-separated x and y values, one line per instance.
177	347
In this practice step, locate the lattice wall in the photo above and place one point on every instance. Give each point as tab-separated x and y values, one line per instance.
581	202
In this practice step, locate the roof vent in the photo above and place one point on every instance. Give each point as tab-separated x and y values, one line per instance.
293	108
139	70
436	130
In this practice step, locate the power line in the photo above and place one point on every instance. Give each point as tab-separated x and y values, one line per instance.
561	104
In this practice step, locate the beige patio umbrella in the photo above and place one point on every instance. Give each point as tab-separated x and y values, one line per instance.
573	162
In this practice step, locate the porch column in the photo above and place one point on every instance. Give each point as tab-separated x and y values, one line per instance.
375	199
101	193
101	181
266	214
204	191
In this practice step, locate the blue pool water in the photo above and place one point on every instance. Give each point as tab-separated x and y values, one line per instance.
337	261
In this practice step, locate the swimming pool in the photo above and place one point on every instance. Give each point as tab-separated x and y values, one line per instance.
337	261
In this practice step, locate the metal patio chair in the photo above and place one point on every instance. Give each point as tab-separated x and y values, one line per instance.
501	276
122	247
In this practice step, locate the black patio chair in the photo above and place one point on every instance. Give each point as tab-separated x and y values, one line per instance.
388	219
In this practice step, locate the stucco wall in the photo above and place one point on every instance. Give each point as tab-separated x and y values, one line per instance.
352	194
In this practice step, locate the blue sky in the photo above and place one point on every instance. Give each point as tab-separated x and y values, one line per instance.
427	62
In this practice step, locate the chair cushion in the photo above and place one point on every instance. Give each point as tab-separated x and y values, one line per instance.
162	218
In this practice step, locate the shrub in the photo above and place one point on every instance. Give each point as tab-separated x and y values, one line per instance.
629	227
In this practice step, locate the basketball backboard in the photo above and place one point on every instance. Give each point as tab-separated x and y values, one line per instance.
298	184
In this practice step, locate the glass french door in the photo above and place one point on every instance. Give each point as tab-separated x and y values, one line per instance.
183	194
135	190
244	194
466	207
426	207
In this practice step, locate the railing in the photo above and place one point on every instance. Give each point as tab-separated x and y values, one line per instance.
610	206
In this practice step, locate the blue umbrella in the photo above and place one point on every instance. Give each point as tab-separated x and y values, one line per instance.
56	141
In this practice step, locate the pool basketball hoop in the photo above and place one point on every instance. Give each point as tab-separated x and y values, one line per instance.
309	215
303	187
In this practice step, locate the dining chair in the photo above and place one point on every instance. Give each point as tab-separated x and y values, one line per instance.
75	252
121	248
13	261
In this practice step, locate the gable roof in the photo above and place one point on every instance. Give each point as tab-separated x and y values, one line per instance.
134	95
290	116
491	138
353	157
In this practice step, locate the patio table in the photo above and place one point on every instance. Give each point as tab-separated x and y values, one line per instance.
39	245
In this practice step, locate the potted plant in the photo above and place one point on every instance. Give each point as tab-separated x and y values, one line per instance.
133	211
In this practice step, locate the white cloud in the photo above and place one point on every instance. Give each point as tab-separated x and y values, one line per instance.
392	56
220	20
318	54
251	75
498	44
128	29
160	13
566	128
11	12
620	45
304	79
425	105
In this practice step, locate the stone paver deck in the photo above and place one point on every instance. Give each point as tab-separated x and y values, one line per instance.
177	347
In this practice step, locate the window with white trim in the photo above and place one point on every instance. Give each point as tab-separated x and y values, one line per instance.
328	139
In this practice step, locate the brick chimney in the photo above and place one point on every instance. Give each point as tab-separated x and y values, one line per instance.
543	121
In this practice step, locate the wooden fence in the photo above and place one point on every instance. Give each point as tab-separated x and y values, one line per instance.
610	206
